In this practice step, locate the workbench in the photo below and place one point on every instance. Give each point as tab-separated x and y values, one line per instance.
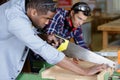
58	73
102	19
115	75
111	27
53	72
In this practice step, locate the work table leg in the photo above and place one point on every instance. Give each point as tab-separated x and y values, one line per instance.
105	39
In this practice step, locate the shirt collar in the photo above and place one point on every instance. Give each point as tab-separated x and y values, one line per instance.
70	23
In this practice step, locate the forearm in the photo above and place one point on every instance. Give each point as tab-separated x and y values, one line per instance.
70	65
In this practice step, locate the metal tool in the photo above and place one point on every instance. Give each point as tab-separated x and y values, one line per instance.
108	54
75	51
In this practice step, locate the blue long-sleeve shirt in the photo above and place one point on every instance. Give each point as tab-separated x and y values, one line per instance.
16	32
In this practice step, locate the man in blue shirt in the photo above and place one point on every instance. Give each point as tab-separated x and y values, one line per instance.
17	30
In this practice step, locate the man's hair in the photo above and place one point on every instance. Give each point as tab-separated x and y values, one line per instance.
42	6
81	6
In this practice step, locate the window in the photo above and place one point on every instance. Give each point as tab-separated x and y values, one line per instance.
116	5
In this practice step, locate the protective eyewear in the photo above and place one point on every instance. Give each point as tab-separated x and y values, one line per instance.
85	9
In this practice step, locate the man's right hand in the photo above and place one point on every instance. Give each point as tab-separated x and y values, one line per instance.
96	69
51	39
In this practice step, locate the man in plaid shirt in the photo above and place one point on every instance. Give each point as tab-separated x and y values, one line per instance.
67	24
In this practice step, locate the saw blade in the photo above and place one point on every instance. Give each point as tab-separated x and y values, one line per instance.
75	51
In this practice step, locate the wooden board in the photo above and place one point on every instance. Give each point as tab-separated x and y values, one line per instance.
112	27
111	49
62	74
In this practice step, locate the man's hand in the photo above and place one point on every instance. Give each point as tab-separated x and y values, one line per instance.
51	39
96	69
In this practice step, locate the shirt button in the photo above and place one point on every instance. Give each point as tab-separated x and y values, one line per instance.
12	78
22	60
18	71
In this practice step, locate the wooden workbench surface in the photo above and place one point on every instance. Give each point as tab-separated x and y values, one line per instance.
58	73
111	26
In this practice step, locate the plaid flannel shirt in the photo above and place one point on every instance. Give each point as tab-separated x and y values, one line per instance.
57	26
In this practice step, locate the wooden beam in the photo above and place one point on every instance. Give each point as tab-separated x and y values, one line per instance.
58	73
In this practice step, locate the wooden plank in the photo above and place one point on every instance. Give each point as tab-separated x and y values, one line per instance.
105	73
111	49
63	74
112	28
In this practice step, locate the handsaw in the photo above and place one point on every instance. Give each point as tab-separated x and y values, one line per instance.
76	51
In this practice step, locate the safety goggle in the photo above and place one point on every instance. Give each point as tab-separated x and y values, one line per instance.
85	9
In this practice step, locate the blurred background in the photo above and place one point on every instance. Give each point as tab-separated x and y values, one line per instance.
103	11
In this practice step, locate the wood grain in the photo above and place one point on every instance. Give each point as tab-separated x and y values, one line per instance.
58	73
